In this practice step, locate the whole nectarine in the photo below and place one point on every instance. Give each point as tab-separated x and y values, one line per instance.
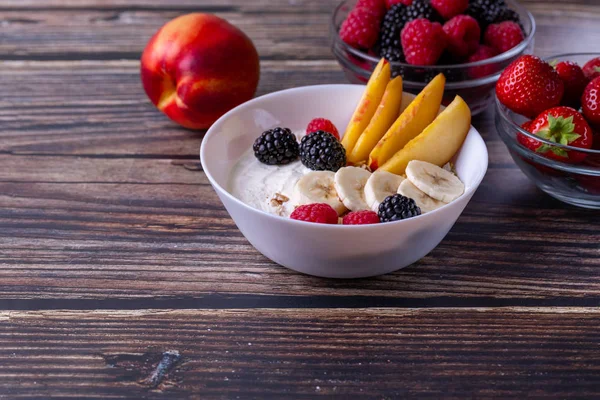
197	67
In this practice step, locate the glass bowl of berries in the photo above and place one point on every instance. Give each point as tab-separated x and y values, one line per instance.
469	41
548	116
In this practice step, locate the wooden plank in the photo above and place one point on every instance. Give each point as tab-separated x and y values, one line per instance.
280	30
87	228
358	354
100	108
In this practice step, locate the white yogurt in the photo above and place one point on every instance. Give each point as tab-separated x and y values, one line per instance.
265	187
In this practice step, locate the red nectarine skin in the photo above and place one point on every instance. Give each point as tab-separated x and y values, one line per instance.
197	67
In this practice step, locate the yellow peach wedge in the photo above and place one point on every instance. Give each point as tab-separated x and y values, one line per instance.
384	117
420	113
367	105
438	143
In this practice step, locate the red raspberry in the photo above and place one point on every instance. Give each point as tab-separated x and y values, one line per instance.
591	69
322	124
503	36
361	28
450	8
483	53
463	33
390	3
364	217
575	82
376	6
590	102
423	42
319	212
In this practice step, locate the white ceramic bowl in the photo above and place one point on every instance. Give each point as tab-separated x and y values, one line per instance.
333	251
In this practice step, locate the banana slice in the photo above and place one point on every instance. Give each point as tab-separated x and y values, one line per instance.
380	185
425	203
434	181
317	187
350	183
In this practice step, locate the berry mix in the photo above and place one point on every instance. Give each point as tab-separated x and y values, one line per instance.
562	101
391	163
335	192
433	32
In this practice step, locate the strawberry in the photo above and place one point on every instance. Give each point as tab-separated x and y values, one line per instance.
562	125
529	86
590	102
574	81
592	68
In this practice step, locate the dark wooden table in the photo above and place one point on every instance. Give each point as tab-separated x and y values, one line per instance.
122	276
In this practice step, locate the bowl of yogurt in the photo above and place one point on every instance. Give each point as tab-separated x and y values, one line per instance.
257	196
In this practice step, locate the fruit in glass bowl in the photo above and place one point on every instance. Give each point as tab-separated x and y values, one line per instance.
471	72
559	149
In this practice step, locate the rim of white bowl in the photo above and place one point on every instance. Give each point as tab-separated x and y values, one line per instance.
250	103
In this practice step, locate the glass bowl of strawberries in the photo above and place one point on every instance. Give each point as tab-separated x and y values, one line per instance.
548	116
469	41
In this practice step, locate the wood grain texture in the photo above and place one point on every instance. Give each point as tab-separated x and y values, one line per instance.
311	353
96	206
122	276
284	30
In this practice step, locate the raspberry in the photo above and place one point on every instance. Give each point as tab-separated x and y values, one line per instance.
319	212
423	42
361	28
503	36
575	82
322	124
391	3
483	53
364	217
463	34
376	6
450	8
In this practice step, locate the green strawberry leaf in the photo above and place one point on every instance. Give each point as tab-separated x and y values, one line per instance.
544	134
553	63
544	148
568	138
559	152
597	69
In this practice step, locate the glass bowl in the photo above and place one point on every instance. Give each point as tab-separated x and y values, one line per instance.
460	78
576	184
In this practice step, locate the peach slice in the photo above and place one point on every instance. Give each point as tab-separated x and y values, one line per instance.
367	105
420	113
384	117
438	143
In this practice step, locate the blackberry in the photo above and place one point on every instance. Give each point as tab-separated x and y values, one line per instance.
423	9
397	207
392	54
276	147
391	26
321	151
486	12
